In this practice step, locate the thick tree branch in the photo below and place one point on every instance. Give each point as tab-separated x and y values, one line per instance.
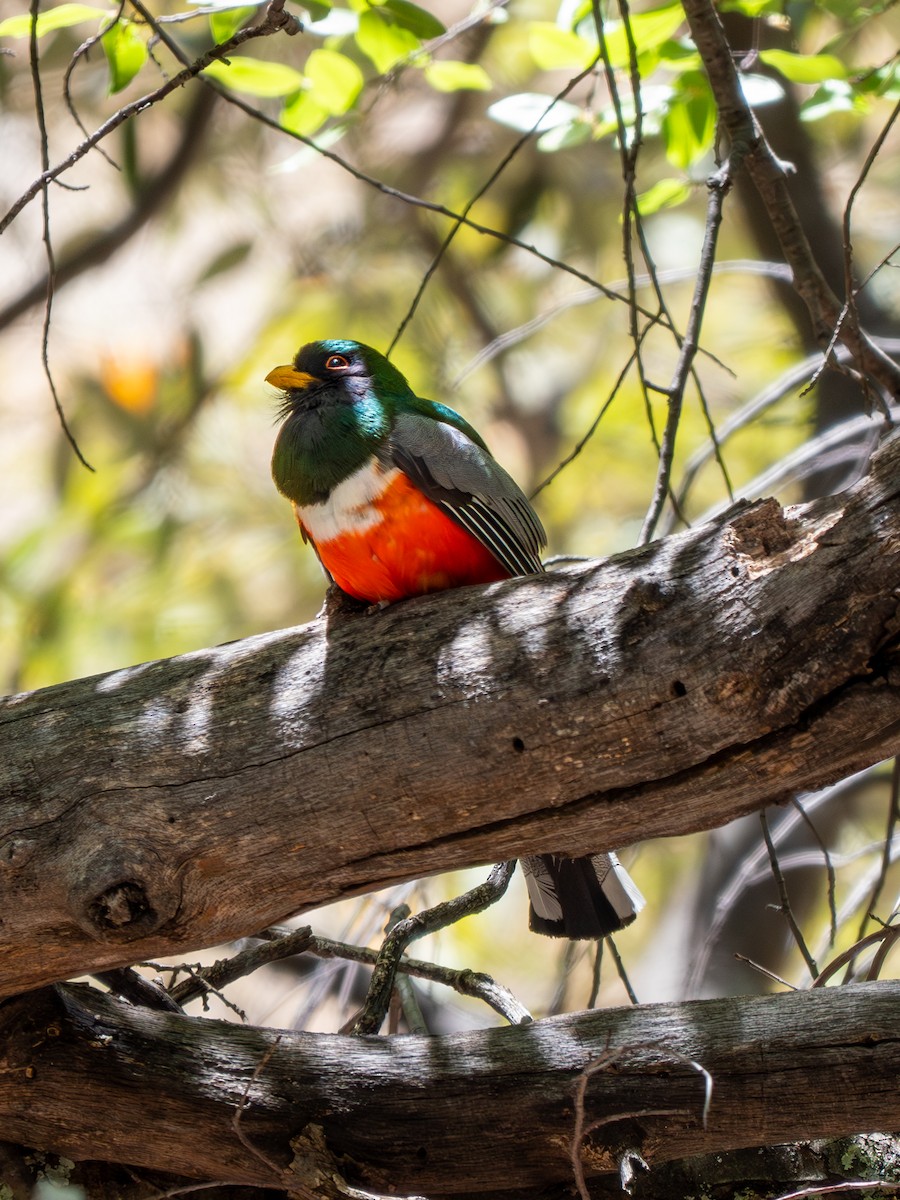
444	1116
175	804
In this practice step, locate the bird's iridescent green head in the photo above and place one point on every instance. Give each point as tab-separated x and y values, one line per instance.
345	371
339	402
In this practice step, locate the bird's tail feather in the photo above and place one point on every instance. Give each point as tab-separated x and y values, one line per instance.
586	897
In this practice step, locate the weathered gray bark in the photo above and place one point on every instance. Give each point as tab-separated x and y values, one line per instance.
170	805
482	1112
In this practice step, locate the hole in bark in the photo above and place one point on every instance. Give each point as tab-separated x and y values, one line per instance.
678	688
123	904
518	745
421	1154
735	571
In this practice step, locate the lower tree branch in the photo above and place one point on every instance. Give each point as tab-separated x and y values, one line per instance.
445	1116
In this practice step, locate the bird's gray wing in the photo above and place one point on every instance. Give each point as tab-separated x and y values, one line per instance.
466	483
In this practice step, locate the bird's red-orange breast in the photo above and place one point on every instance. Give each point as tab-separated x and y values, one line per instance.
380	538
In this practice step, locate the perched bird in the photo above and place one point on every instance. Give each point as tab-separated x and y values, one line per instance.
400	496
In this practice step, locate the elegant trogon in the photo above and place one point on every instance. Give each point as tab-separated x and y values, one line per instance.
400	496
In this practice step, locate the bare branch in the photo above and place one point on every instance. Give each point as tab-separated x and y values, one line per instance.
718	186
416	926
893	819
34	59
785	906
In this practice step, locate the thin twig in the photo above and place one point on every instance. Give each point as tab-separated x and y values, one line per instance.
854	951
34	59
596	964
620	969
785	905
356	173
582	1129
371	1016
277	943
225	971
850	309
837	444
829	1189
592	428
567	960
829	867
95	249
521	333
239	1114
783	386
892	820
719	184
407	1001
475	197
629	146
82	50
765	971
891	933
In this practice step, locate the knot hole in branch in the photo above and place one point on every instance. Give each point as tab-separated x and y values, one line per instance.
124	894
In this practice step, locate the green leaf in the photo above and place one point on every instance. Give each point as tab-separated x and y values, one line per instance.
752	8
885	82
61	17
553	48
689	124
679	54
225	22
385	43
563	137
528	111
449	76
303	115
340	22
760	89
317	11
126	53
409	16
226	260
832	97
804	68
334	80
649	29
667	193
242	73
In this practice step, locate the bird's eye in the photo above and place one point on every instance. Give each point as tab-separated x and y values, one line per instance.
336	362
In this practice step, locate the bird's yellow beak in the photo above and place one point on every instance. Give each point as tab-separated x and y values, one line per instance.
289	379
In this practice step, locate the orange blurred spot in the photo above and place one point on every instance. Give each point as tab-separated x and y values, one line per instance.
133	384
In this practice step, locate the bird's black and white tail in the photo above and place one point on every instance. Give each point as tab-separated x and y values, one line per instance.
586	897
